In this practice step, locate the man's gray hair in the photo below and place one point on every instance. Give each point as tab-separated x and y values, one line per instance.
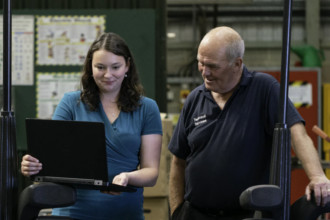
234	49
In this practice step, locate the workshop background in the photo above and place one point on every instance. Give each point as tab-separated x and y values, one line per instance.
164	36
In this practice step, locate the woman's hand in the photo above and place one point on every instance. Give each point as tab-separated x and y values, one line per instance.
120	179
30	165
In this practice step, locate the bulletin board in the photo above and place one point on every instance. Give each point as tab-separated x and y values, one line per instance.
136	26
22	48
305	93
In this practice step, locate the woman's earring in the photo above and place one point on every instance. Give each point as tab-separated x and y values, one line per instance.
125	75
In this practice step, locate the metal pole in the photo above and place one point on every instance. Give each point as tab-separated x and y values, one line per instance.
281	155
285	60
6	55
8	154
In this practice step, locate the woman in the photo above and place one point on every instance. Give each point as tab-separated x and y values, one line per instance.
111	93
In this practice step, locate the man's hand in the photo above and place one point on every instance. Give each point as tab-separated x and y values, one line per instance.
321	187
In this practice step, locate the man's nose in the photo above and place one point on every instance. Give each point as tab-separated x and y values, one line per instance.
205	71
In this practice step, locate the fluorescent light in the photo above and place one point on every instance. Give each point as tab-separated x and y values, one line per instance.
171	35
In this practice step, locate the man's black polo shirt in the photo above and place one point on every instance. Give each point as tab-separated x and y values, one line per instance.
228	150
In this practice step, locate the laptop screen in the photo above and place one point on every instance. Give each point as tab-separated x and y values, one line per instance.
74	149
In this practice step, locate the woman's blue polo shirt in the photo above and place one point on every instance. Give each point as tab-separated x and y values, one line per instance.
123	143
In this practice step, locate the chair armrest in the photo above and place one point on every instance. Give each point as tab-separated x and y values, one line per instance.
262	198
44	195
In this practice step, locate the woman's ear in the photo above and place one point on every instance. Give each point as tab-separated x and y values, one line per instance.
128	62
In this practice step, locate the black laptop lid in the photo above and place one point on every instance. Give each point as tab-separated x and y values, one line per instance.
74	149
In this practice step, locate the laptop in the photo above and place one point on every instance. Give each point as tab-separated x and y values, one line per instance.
71	152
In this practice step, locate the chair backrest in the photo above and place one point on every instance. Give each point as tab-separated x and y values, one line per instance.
44	195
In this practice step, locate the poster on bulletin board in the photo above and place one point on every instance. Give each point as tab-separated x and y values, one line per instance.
50	88
64	40
22	72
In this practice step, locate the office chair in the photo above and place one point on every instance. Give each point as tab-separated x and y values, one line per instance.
269	198
44	195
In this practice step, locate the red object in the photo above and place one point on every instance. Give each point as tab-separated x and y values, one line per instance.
298	64
320	133
299	179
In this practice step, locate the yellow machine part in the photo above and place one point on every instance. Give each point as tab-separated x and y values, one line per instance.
326	122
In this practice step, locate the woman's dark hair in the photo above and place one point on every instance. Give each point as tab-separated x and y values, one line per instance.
131	89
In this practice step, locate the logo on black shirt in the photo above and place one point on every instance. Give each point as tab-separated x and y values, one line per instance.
200	120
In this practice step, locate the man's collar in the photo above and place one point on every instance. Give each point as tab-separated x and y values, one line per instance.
246	77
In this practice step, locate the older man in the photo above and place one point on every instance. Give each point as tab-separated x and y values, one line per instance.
222	142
